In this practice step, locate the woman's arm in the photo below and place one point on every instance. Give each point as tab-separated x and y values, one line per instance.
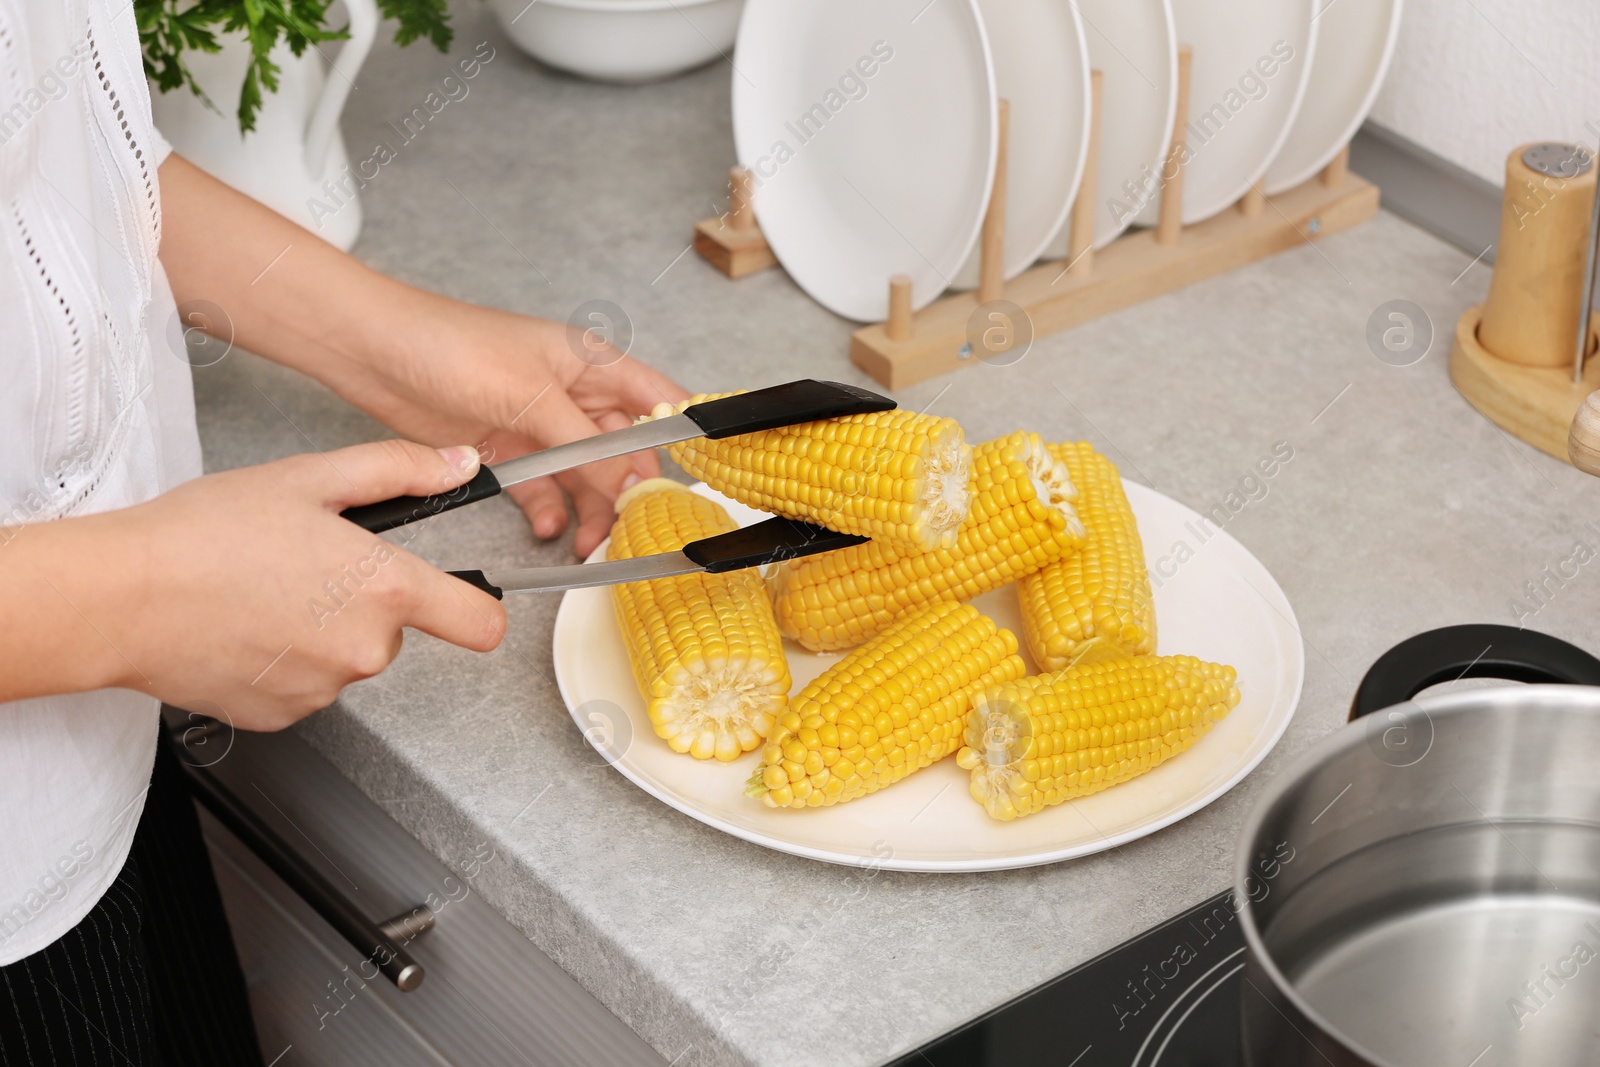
243	591
433	369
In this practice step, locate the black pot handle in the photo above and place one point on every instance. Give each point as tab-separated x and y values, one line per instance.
1483	650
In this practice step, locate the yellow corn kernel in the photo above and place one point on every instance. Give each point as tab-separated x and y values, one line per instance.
1053	737
890	708
1022	519
1095	603
705	648
894	476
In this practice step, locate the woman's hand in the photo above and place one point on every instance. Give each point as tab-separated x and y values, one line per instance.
434	370
514	384
243	591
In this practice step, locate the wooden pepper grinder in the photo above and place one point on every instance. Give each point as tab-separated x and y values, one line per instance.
1518	357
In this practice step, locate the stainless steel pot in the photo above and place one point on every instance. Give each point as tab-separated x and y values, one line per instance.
1423	886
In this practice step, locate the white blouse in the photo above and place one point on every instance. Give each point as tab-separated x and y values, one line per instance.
96	412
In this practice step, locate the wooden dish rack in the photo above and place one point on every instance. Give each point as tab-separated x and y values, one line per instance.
909	347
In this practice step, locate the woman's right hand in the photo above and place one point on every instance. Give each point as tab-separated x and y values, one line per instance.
242	591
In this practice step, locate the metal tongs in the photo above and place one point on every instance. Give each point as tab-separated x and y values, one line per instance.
771	541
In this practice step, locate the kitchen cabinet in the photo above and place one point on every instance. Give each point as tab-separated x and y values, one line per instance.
488	998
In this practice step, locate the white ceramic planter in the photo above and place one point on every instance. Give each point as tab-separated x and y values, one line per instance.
626	41
294	161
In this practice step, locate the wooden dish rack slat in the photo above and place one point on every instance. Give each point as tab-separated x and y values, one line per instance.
911	347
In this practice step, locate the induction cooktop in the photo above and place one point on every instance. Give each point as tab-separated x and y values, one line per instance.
1167	998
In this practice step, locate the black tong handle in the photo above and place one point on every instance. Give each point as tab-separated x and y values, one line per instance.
806	400
479	580
398	511
770	541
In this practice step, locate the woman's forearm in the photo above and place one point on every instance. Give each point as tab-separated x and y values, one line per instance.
288	295
432	369
62	584
243	590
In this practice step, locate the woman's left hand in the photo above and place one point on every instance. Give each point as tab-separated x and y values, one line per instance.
514	384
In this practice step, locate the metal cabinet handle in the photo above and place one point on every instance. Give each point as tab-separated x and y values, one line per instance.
379	942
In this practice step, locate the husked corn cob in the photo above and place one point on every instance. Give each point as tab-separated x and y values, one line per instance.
704	647
1022	519
1094	603
1042	740
891	707
894	476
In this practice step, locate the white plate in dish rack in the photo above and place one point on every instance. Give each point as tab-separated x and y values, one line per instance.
1042	67
1135	47
870	131
1219	603
1355	41
1252	63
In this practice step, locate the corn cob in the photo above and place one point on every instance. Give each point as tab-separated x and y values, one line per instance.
704	647
893	476
1095	603
1022	519
1053	737
891	707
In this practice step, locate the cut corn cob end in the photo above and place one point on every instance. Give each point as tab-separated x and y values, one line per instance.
944	491
722	712
896	476
1052	482
704	648
892	707
1055	737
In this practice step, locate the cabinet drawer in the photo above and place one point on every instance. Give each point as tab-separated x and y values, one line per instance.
488	996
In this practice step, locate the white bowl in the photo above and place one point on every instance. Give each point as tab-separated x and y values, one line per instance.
626	41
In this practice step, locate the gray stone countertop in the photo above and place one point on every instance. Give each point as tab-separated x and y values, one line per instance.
1401	510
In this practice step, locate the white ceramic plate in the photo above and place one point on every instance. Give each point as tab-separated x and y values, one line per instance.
1042	67
1355	41
1134	46
1249	73
860	176
1219	603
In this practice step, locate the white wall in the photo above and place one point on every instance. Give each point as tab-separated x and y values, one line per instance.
1472	79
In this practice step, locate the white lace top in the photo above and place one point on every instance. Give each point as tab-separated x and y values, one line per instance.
96	412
